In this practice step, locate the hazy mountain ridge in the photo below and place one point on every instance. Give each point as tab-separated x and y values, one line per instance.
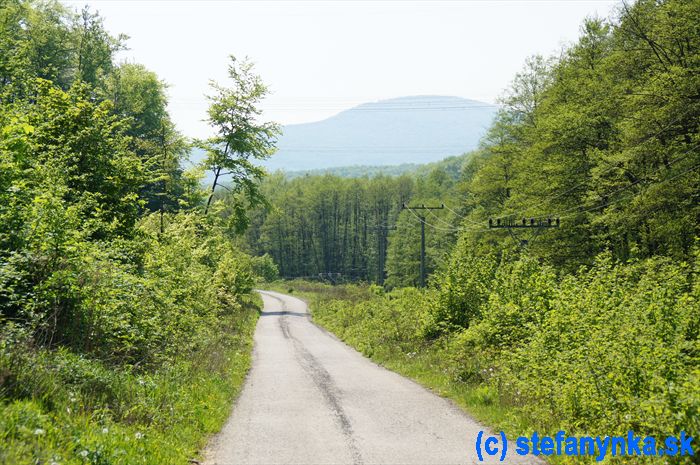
405	130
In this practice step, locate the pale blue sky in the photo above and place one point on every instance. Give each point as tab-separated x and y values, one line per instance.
320	57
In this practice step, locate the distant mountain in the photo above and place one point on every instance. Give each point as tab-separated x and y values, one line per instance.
397	131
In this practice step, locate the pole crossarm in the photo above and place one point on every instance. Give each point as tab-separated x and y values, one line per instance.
536	224
531	223
421	207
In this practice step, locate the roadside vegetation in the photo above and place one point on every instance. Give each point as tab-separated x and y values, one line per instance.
602	351
126	306
126	312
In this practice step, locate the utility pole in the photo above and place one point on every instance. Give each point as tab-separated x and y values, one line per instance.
381	252
422	235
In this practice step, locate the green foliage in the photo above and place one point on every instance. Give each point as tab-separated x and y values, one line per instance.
264	267
464	290
139	98
616	351
125	317
46	40
240	138
76	147
73	409
317	225
375	323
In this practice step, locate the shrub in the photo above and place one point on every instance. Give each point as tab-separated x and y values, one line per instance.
615	352
464	289
266	268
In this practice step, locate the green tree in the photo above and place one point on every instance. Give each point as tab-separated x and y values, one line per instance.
240	138
140	98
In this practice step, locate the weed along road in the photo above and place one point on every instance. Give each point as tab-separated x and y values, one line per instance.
309	398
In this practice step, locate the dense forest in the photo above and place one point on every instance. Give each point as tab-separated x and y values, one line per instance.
126	312
354	229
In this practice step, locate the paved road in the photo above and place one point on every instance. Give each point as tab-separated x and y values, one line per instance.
309	398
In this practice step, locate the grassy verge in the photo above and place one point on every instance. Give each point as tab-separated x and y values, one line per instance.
612	353
69	409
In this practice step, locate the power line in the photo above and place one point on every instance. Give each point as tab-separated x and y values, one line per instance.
451	229
464	218
440	219
421	219
568	191
629	197
355	109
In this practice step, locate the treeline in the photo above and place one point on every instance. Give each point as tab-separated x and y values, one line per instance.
343	229
125	312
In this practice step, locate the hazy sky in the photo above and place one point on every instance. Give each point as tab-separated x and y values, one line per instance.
320	57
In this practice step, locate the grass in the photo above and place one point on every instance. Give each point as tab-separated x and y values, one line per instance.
67	409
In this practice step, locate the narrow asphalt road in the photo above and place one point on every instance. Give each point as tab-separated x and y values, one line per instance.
309	398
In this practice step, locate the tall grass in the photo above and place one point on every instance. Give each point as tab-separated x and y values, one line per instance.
65	408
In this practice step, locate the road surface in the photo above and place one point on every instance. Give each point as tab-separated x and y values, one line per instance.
311	399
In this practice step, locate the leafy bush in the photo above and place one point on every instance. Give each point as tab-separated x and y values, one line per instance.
266	268
464	290
377	321
617	351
